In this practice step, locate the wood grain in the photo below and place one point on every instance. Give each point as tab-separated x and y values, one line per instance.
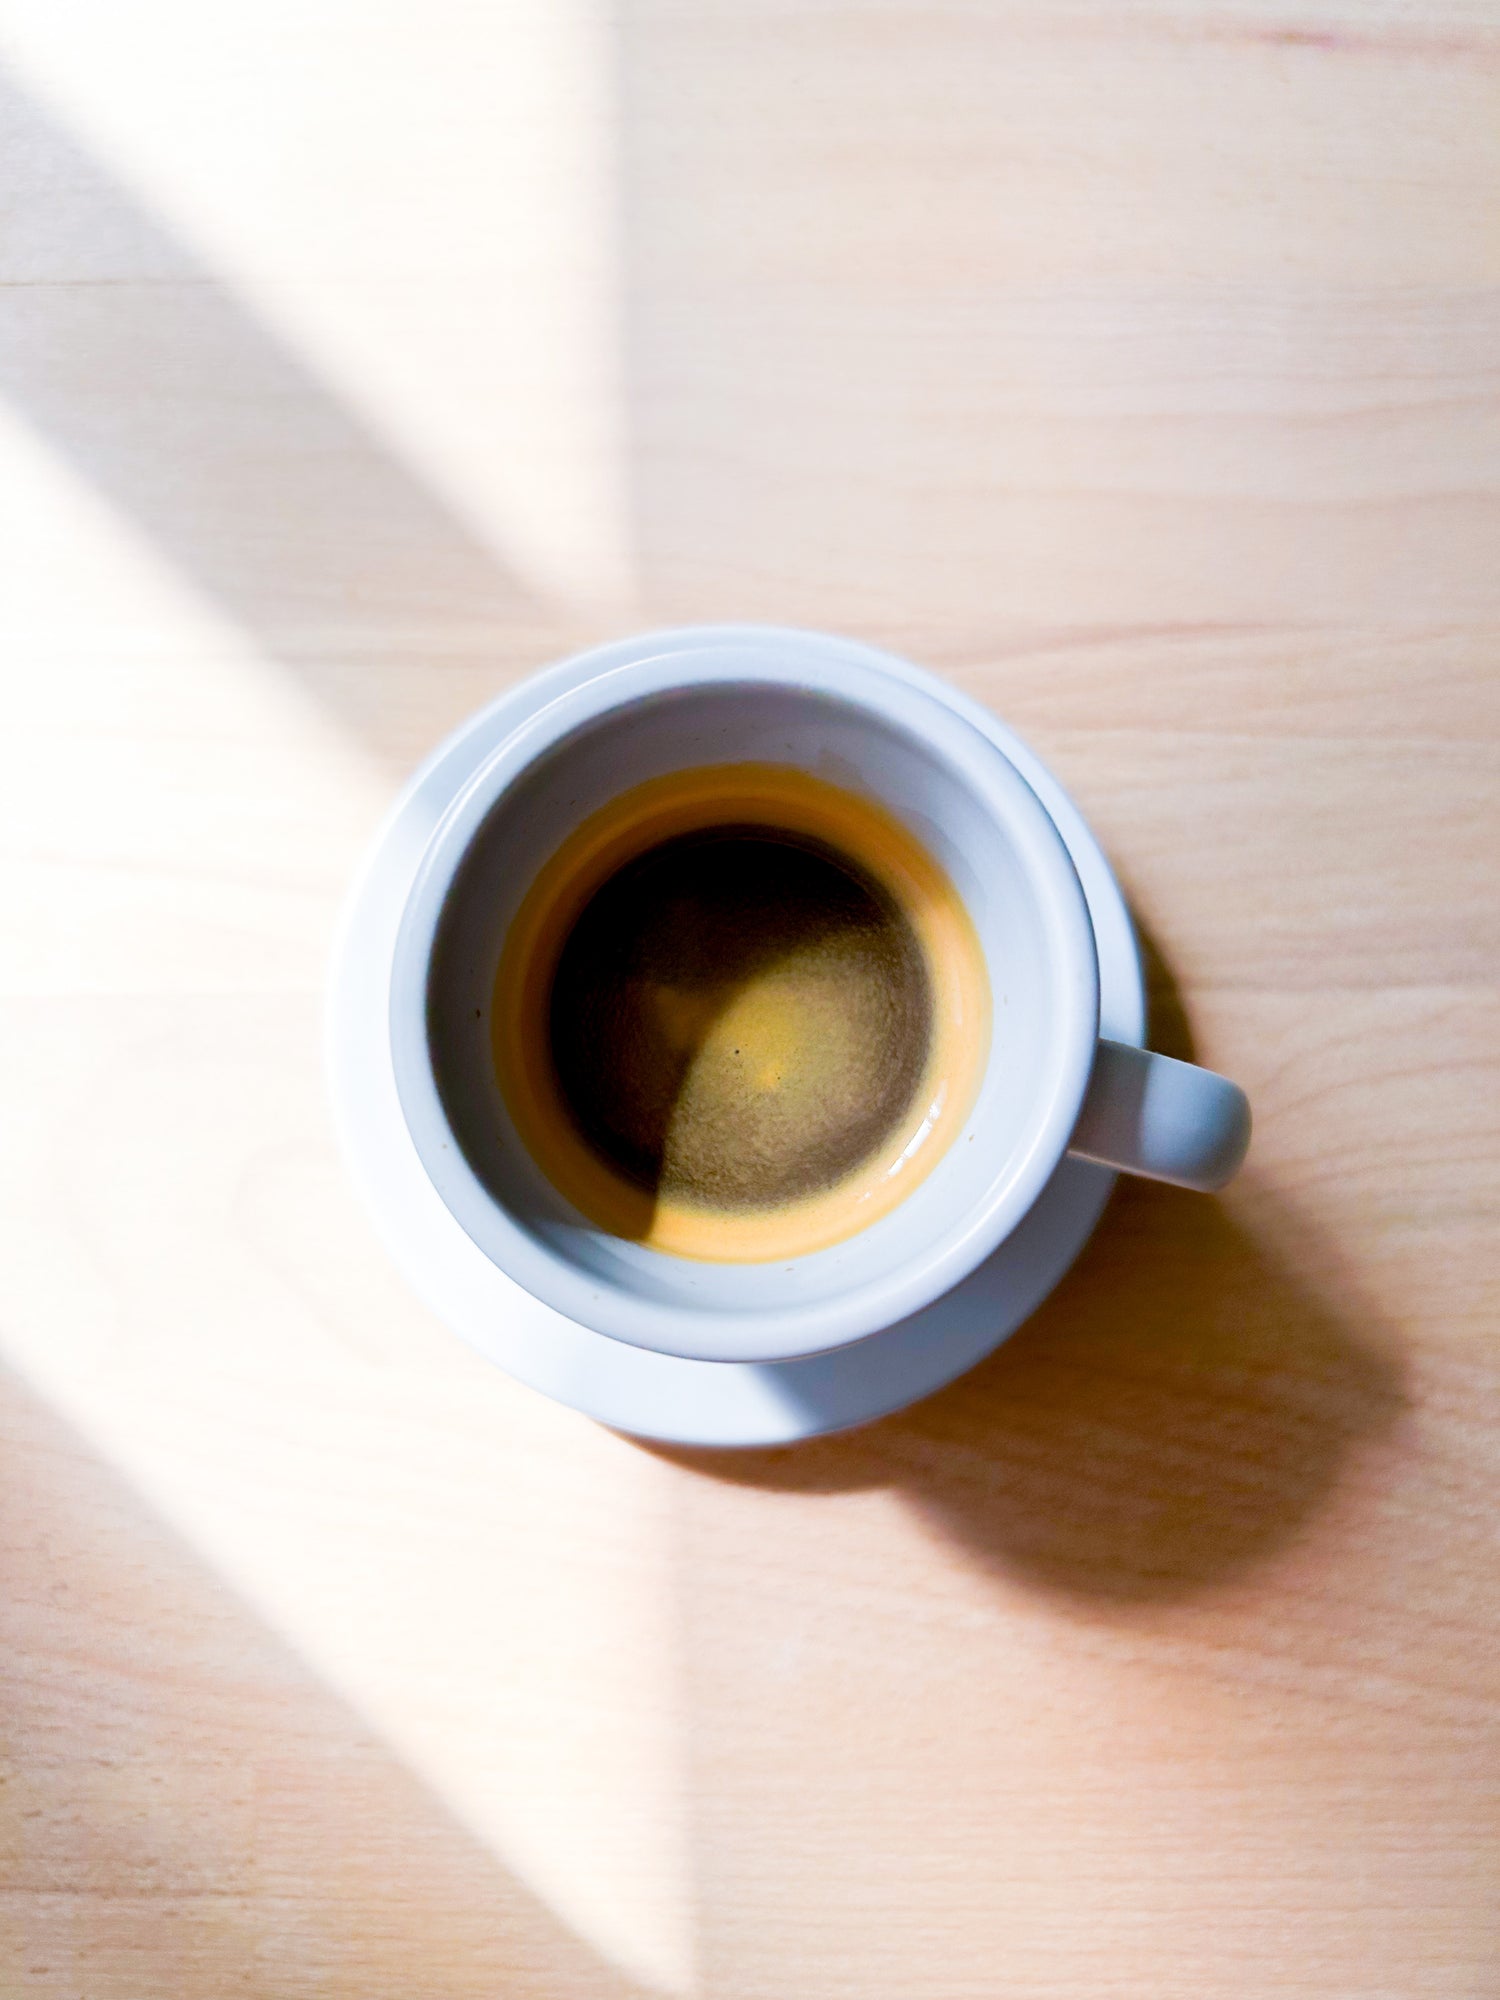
1136	368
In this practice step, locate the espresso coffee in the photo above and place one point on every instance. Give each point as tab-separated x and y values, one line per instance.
739	1014
740	1019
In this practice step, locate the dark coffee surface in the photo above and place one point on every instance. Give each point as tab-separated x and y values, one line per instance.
739	1019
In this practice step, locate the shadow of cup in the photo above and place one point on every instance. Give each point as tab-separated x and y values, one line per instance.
1173	1416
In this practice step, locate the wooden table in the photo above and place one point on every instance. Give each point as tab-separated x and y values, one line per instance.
1133	366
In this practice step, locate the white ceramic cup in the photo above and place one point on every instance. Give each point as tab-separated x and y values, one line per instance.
1050	1084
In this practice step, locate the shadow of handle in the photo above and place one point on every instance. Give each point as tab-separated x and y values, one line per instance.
1166	1120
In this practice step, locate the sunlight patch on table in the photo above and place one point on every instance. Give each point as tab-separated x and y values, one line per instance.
487	1579
419	202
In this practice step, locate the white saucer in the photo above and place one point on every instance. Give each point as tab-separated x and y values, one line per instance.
656	1395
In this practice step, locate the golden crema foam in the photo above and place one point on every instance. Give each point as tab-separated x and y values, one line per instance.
739	1014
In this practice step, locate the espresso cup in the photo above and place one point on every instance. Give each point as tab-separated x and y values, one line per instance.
747	998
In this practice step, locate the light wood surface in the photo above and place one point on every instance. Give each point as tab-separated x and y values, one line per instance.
1134	366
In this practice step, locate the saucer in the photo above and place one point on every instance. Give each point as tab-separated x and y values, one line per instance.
628	1388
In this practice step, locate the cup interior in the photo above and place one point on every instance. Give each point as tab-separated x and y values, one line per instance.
974	815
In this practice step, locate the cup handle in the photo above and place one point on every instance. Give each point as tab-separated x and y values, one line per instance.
1166	1120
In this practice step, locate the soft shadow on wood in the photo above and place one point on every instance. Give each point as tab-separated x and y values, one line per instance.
1176	1414
188	1812
1171	1030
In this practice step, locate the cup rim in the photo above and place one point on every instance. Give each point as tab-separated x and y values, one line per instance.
919	705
